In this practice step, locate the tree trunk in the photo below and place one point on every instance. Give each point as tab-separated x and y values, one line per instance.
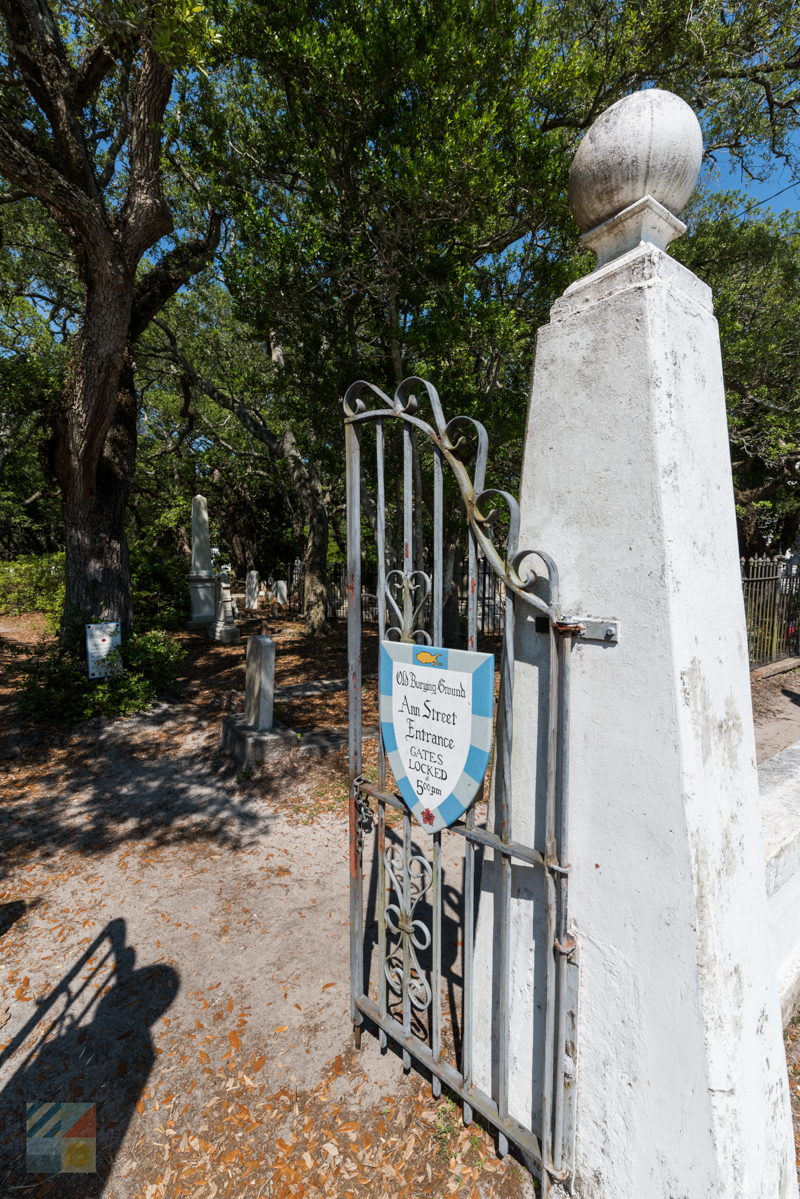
308	489
94	459
315	561
111	218
98	582
452	635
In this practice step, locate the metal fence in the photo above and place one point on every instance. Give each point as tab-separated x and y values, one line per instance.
335	592
490	594
771	597
772	606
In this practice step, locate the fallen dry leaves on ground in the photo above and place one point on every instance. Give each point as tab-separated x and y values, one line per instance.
206	1126
207	1122
792	1038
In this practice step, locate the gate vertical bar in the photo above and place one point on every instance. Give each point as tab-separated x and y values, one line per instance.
380	849
353	476
437	890
468	939
468	942
406	908
436	979
468	945
563	947
436	623
551	858
408	486
472	598
408	567
503	792
380	546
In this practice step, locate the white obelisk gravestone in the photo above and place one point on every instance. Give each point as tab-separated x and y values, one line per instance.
201	579
681	1074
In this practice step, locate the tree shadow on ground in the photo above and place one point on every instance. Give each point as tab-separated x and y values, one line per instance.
88	1042
155	778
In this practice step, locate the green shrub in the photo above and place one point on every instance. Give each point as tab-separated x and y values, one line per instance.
155	656
160	587
56	685
33	584
158	582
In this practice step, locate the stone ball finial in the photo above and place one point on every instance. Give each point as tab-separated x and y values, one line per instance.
647	144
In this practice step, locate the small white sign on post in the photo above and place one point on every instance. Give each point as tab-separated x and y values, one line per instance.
101	640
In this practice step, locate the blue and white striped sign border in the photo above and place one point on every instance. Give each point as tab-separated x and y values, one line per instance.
481	667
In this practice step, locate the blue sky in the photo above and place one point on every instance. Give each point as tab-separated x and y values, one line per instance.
728	177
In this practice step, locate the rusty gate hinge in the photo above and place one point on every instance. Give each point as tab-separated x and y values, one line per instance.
586	629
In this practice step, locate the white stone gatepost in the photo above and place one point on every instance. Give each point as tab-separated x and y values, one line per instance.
201	578
681	1075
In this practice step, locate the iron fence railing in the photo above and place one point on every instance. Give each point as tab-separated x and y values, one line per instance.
771	597
772	606
490	596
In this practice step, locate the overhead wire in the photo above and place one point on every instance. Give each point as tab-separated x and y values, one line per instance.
766	199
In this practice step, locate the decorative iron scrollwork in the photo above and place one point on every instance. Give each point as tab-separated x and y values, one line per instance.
408	586
411	933
449	438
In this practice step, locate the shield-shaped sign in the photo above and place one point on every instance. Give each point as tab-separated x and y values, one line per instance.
436	710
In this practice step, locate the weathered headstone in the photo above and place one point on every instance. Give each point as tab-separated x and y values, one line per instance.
252	738
681	1075
280	593
201	578
251	590
259	683
224	628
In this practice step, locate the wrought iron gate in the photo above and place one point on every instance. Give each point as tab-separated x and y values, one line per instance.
397	942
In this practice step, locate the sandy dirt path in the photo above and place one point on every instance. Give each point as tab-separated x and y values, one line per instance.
776	708
174	947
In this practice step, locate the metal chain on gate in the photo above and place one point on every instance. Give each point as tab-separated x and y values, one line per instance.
365	816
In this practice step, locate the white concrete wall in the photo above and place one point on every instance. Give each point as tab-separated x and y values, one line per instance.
682	1086
779	787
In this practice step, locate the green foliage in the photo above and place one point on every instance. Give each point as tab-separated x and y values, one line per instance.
153	655
34	583
752	263
393	178
160	589
254	515
32	250
448	1126
56	686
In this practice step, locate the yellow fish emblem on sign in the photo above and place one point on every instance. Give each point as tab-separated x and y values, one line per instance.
427	658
